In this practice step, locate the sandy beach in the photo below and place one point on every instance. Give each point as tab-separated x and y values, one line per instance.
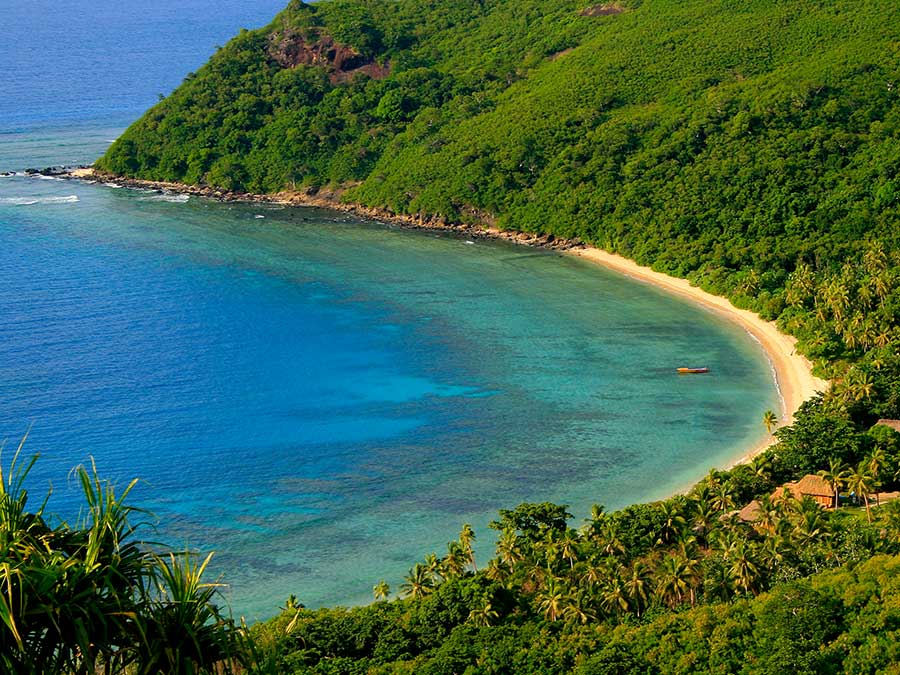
793	372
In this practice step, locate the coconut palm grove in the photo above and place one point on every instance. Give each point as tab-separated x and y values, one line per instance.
752	148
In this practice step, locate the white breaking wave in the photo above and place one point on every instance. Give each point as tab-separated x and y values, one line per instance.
112	185
29	201
167	197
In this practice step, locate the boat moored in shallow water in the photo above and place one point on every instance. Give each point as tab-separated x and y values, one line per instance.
685	371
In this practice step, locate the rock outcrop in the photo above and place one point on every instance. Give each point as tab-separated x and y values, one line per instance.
290	49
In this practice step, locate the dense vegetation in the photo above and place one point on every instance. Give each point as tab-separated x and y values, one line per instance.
752	147
679	586
840	621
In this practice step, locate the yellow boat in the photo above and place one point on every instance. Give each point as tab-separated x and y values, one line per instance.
684	371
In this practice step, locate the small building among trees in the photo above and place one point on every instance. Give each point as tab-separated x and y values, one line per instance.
810	485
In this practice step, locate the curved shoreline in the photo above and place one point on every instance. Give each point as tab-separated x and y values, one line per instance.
792	371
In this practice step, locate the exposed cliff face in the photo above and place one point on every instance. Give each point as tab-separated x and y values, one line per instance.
290	49
606	9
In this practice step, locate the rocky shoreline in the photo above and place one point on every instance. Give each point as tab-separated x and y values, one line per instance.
322	199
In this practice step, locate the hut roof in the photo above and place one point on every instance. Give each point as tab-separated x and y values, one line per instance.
893	424
811	485
750	513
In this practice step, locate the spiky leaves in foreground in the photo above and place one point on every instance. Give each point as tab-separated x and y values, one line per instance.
79	598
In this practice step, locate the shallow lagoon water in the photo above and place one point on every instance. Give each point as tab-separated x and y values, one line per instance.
320	400
323	401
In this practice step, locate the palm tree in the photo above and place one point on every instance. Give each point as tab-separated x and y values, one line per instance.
838	297
466	539
868	334
496	571
891	513
433	566
877	460
857	386
508	548
770	420
882	283
454	563
783	498
673	522
864	295
610	541
637	585
874	259
863	482
418	583
686	543
550	600
776	547
672	580
770	514
594	524
750	283
484	615
595	571
744	571
726	539
576	608
851	339
535	574
548	549
836	476
810	525
705	517
614	595
712	479
717	581
292	604
800	285
381	590
722	499
568	547
762	464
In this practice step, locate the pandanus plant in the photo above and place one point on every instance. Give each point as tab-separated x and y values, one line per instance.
92	598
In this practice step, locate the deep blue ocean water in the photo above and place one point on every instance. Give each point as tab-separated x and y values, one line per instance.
319	400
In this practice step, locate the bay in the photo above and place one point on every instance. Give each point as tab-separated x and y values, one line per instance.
320	400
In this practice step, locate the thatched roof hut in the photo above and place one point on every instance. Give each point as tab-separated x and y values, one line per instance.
893	424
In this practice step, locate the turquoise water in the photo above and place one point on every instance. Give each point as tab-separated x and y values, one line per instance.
323	401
